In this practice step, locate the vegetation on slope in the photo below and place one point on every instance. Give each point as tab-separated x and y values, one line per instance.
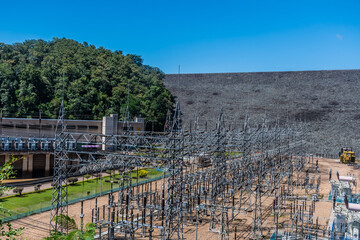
96	81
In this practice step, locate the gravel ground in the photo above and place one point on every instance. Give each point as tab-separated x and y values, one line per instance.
36	226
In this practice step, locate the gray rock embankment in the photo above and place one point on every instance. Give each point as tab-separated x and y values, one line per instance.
328	101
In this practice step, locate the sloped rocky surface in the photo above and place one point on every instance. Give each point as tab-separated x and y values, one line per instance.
327	101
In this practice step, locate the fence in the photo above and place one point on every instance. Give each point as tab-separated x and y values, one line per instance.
325	155
48	208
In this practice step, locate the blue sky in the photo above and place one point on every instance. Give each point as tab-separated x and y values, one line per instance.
201	36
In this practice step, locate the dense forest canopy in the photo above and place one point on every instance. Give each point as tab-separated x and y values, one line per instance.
97	81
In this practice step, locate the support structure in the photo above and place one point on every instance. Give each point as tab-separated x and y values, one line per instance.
215	174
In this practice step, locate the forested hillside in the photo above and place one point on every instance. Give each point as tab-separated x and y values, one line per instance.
96	81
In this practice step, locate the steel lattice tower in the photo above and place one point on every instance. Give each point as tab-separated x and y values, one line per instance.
174	225
59	194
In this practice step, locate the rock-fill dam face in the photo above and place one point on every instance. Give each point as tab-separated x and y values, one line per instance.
327	101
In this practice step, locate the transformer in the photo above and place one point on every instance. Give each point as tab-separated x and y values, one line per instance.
45	145
19	144
32	145
6	145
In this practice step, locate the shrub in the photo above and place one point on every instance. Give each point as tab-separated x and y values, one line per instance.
18	190
72	180
65	222
37	187
143	173
87	176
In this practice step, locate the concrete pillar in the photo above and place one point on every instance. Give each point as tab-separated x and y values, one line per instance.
47	165
25	165
109	127
30	165
115	119
7	158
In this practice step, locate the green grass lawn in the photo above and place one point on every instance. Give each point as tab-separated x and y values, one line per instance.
36	200
233	154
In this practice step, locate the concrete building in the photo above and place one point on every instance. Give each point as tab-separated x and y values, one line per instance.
31	140
45	128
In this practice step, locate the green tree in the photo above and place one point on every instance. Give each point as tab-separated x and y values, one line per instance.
66	222
97	81
74	234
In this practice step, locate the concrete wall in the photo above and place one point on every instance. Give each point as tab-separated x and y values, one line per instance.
30	165
137	125
23	127
45	128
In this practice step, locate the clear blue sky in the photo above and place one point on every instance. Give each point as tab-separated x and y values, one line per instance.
201	36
